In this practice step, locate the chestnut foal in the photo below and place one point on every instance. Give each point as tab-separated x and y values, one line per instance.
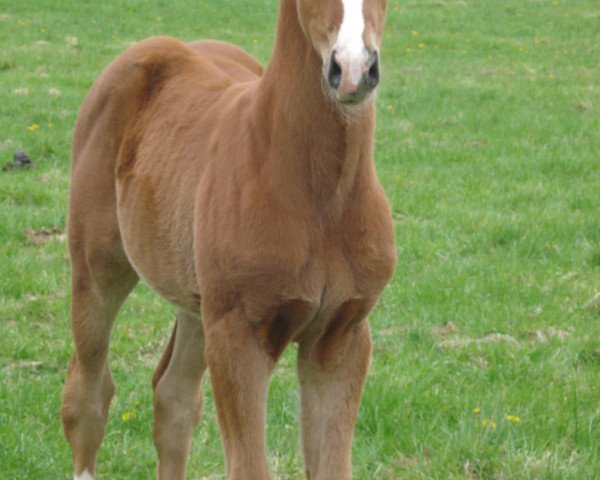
250	201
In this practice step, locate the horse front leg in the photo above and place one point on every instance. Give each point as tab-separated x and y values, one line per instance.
332	376
240	367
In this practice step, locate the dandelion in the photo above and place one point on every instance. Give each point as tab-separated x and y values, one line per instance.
513	418
129	415
421	45
415	34
477	410
34	127
50	125
488	424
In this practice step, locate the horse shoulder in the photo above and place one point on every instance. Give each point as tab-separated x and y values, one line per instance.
369	239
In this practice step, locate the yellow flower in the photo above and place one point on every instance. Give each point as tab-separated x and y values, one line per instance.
513	418
421	45
126	416
415	34
488	424
477	410
51	125
34	127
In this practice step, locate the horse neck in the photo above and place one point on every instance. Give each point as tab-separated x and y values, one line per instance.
310	140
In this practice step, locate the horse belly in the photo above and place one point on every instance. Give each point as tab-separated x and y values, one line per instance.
156	224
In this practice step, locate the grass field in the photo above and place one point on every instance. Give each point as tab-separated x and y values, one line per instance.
487	342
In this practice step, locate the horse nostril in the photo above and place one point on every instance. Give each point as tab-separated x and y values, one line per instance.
334	75
373	73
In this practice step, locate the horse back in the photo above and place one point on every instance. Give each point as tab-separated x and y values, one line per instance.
230	59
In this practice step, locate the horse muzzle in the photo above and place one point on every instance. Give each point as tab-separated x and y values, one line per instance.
351	78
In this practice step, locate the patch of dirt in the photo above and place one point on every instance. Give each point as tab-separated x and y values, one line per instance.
393	331
491	72
40	236
567	277
22	91
404	125
407	462
543	335
151	353
465	341
23	365
447	329
481	362
594	302
547	334
482	143
584	106
6	144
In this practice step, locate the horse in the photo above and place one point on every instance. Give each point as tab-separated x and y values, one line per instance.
248	198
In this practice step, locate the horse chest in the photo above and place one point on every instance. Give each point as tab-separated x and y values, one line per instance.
290	262
320	308
325	291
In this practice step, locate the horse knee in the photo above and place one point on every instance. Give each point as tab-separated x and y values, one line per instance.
175	407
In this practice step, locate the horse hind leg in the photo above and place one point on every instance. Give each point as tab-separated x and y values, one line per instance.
101	280
178	396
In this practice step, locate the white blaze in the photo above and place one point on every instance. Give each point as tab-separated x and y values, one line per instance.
349	44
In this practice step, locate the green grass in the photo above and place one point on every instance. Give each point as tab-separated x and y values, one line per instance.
488	146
